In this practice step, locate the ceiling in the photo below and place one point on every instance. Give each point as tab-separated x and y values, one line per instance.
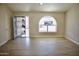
37	7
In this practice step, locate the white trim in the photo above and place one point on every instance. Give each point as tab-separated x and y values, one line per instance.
45	37
69	38
3	42
49	36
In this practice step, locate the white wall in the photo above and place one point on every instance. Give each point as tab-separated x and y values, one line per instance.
5	31
34	23
72	24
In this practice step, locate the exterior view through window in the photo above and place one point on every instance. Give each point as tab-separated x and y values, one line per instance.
47	24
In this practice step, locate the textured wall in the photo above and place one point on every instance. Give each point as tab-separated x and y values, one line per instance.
72	24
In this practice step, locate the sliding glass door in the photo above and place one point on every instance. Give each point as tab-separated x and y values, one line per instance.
21	26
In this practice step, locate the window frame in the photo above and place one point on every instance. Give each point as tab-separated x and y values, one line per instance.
45	19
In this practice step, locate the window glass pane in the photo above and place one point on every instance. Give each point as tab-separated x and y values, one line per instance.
47	24
51	28
43	29
27	22
27	32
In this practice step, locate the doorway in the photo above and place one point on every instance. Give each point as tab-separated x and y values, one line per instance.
21	26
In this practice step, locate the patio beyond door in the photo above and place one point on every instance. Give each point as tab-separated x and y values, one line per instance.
21	26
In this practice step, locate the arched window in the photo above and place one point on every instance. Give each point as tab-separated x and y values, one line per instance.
47	24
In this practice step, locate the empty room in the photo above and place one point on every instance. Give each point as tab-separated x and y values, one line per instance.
39	29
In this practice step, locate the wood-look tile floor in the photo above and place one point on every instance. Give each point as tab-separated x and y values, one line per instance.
39	47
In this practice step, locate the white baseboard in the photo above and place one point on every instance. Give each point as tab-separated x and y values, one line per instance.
3	42
48	36
69	38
